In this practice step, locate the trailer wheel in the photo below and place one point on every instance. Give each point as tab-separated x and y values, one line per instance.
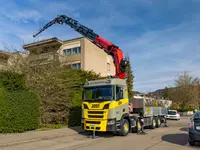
137	128
158	122
153	124
124	127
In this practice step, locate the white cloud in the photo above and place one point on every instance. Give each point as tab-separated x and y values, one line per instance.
16	13
28	15
157	57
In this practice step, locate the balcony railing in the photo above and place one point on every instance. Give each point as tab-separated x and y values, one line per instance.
45	57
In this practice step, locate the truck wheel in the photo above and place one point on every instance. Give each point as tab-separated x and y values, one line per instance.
153	125
124	127
158	122
137	128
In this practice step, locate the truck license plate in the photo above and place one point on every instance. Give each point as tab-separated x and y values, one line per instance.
92	125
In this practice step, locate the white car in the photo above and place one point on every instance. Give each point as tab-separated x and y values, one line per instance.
173	114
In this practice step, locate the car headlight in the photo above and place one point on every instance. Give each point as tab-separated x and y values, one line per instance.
111	122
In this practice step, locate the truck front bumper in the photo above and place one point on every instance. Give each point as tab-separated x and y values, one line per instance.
99	125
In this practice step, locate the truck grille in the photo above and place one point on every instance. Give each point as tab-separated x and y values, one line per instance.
96	114
93	122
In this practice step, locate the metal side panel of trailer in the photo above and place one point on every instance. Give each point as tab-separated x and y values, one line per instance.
154	111
148	111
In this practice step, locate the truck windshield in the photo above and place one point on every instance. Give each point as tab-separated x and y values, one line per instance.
98	93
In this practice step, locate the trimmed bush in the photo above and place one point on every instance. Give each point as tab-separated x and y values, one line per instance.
19	111
74	118
12	81
19	108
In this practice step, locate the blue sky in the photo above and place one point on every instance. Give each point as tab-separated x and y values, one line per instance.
161	37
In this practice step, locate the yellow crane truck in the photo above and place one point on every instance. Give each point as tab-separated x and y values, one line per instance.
105	104
105	108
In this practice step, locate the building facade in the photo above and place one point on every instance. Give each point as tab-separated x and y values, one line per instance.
4	57
80	53
8	59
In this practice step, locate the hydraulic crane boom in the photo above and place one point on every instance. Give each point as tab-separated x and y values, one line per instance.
110	48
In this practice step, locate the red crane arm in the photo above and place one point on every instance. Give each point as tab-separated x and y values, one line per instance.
117	54
111	49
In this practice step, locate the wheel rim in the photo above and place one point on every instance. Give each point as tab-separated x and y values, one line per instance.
158	121
138	126
126	127
154	123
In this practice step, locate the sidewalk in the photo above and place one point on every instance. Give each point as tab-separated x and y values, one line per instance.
31	136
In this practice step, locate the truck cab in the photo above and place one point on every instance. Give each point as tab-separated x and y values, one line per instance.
105	105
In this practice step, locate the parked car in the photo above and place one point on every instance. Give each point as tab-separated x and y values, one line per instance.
173	114
194	129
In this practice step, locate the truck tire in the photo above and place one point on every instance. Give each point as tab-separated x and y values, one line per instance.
158	122
137	128
153	124
124	127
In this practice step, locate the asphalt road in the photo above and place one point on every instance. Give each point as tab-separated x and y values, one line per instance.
174	137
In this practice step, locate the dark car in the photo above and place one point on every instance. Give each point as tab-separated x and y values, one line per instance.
194	129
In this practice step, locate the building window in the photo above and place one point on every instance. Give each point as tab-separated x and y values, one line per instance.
75	50
76	66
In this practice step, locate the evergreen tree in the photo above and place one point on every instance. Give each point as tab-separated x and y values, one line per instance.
130	79
166	93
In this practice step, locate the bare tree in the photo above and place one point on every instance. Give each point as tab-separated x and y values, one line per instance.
186	92
184	80
52	82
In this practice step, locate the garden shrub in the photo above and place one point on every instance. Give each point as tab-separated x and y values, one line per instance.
74	118
19	108
12	81
19	111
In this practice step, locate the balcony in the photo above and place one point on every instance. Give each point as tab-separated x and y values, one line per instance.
44	58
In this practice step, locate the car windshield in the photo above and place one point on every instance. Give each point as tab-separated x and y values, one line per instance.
171	112
197	115
98	93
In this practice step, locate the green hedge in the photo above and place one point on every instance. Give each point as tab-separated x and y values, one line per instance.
186	109
74	118
12	81
19	111
19	108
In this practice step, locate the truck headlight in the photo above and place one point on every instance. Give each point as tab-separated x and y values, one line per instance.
111	122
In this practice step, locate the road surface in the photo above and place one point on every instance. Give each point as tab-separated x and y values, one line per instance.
174	137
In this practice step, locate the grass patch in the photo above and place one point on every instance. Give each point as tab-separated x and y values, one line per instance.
44	127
